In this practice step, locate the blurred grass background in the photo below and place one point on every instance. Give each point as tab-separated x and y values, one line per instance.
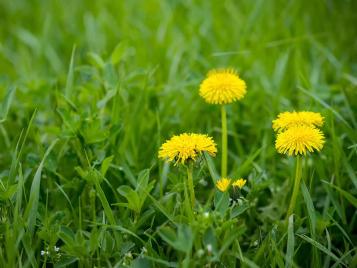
116	78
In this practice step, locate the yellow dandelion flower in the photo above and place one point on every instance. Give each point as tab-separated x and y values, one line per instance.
223	184
187	146
299	139
222	87
288	119
239	183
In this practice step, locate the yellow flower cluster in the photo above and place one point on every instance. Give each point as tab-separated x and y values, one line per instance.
222	87
224	183
298	132
299	140
239	183
187	146
289	119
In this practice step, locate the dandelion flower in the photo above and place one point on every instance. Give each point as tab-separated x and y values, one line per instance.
187	146
299	139
239	183
288	119
223	184
222	87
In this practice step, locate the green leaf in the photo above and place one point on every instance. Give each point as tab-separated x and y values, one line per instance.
105	165
231	237
32	206
158	205
93	132
211	168
126	231
291	243
161	261
136	198
246	165
336	204
221	202
243	259
65	261
70	75
141	263
8	192
325	104
181	240
96	60
310	208
118	52
238	210
209	238
129	174
108	96
320	247
5	107
143	180
351	172
341	229
107	210
345	194
19	194
18	152
131	196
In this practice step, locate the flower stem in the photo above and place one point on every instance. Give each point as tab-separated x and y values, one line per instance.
190	186
187	203
298	174
224	142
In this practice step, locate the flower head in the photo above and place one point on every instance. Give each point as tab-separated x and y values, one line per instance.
299	139
239	183
288	119
223	184
187	146
222	87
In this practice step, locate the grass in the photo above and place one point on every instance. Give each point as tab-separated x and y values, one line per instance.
90	90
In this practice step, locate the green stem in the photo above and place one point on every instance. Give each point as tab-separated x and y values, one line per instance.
187	203
44	262
92	196
190	186
224	142
161	186
298	174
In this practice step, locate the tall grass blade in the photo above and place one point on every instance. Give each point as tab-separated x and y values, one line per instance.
5	107
70	75
291	243
32	206
321	247
347	195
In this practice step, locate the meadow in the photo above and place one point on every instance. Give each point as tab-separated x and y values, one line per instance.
91	90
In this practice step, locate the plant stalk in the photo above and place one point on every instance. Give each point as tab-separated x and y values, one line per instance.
298	173
190	186
224	142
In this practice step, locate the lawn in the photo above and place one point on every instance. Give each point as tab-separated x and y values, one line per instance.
91	90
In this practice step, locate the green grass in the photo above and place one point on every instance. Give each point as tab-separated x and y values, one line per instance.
89	90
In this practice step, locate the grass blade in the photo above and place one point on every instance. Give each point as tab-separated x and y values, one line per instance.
310	208
211	168
5	107
323	103
18	152
32	206
320	247
107	210
291	243
70	75
345	194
